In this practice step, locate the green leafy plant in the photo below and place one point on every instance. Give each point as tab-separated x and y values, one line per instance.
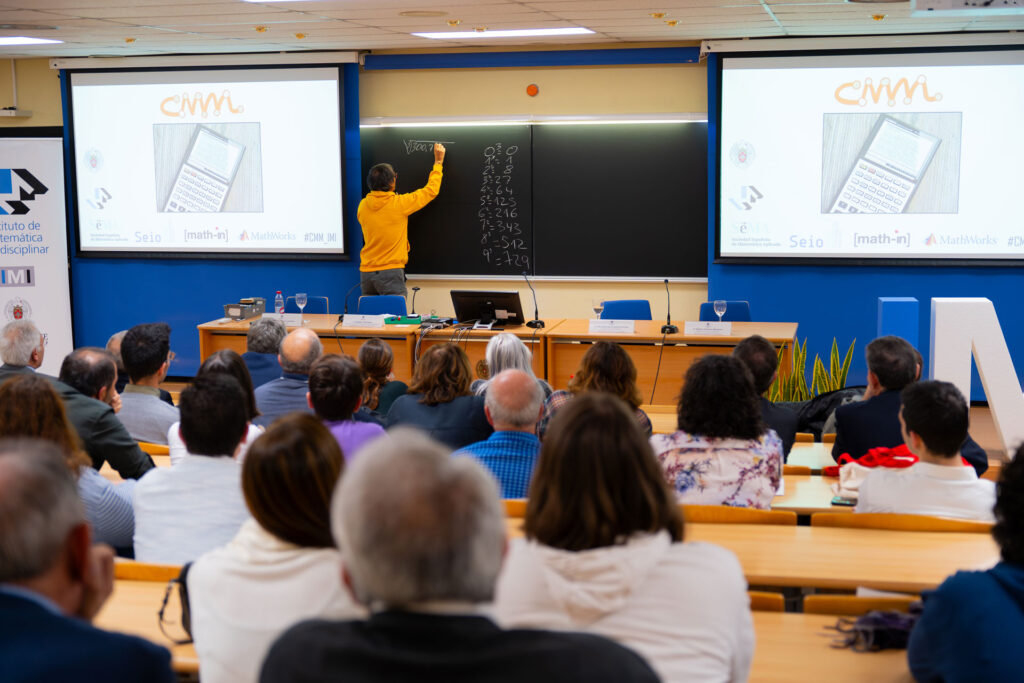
792	387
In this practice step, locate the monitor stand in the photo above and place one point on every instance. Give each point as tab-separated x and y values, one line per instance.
484	325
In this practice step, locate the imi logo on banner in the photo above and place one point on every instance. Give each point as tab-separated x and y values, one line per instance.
22	276
18	186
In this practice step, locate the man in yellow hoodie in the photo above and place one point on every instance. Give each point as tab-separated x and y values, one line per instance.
384	216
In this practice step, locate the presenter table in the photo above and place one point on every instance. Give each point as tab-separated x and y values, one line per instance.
475	343
567	342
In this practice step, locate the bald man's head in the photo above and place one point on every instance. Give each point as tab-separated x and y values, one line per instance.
514	399
299	350
91	371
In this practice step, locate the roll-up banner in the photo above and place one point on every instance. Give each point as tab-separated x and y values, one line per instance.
34	243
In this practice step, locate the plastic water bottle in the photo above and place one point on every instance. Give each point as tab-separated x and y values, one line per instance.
278	303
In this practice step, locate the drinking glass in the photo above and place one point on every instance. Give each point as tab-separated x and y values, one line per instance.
719	309
598	306
301	298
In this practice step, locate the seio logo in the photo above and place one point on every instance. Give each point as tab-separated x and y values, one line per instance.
857	93
176	106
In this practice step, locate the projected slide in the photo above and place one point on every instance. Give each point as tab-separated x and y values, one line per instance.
235	161
910	156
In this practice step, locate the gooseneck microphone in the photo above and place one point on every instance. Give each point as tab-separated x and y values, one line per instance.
414	290
347	295
536	322
668	327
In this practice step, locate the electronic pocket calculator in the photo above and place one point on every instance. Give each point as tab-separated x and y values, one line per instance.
206	174
888	169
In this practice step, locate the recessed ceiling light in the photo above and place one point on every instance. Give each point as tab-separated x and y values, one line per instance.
26	27
516	33
423	13
23	40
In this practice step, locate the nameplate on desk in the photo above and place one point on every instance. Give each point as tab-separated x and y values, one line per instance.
613	326
356	320
289	319
703	327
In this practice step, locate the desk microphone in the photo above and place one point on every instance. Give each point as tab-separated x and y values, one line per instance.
668	327
414	290
347	295
536	322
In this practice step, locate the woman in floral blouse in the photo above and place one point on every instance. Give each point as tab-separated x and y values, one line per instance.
722	453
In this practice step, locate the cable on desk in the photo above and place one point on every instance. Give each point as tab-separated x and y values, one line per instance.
657	371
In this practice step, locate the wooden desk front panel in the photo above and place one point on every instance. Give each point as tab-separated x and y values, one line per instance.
475	345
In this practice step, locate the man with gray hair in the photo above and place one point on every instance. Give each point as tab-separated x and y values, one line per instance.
514	403
287	394
262	343
21	348
53	580
422	536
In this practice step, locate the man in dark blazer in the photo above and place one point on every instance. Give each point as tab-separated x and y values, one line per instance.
262	344
53	581
762	359
287	393
422	537
874	421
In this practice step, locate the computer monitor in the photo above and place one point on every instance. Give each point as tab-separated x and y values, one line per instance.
488	309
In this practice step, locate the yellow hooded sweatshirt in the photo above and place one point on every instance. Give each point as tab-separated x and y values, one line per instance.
384	217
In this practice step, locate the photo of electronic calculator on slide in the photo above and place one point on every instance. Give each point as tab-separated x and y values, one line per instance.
892	162
212	165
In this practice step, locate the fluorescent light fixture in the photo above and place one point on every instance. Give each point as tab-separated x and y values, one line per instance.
23	40
516	33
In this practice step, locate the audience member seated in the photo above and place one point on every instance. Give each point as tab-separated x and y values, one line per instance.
934	419
262	344
439	401
422	537
227	362
197	505
380	388
281	566
114	349
604	367
723	453
335	392
971	625
762	359
604	553
287	393
29	407
146	350
103	436
513	405
53	581
874	421
506	351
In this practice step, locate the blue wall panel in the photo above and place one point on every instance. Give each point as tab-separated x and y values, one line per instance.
112	294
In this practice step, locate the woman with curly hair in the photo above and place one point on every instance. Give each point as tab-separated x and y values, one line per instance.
380	388
971	625
722	453
604	367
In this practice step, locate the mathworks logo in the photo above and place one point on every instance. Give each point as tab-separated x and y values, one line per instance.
861	93
18	186
213	103
930	241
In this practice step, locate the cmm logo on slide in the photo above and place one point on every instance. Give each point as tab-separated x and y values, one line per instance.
176	106
860	93
18	186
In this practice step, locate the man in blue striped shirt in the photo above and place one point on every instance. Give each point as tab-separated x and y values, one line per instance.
513	407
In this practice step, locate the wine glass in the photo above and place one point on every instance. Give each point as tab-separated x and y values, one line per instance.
598	306
301	299
719	309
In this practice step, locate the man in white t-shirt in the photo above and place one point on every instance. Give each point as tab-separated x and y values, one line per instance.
934	421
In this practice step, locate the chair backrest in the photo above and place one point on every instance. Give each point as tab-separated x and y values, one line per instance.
515	507
314	304
627	309
898	522
392	304
766	601
726	514
154	448
853	605
796	469
828	438
130	570
735	311
804	437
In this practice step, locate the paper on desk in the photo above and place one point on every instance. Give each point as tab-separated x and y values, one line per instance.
781	491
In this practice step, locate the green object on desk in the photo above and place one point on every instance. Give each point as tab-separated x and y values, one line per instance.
403	320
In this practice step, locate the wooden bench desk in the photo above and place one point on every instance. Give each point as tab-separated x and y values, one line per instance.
806	494
813	455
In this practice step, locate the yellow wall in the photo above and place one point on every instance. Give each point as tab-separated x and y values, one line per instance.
38	92
564	91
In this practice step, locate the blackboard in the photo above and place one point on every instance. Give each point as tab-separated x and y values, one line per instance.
574	200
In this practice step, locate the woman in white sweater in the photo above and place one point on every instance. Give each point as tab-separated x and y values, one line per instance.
282	566
604	553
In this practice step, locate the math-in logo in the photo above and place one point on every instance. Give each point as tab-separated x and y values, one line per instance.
18	186
862	93
189	104
748	197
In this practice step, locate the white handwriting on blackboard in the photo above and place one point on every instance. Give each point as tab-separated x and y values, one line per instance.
498	210
413	146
